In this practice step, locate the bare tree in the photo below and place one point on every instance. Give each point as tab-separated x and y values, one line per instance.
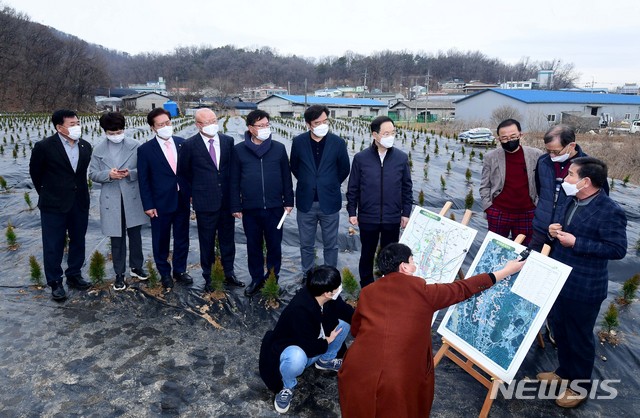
505	112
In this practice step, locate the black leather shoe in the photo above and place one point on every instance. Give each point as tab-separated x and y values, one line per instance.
57	292
183	278
253	288
167	282
232	280
78	282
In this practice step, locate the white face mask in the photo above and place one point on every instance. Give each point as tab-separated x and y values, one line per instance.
387	141
337	293
264	133
75	132
165	132
560	158
570	189
321	130
116	139
211	130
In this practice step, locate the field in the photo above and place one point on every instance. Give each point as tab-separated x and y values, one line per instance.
104	353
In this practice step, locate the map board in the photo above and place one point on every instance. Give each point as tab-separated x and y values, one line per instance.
439	245
496	327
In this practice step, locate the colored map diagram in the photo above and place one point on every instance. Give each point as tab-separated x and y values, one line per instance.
497	320
439	245
496	327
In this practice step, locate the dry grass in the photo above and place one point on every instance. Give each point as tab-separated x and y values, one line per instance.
620	152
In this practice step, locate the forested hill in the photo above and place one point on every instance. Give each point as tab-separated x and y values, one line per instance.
44	68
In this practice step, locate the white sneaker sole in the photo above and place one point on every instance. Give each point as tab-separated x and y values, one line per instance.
136	276
119	288
281	410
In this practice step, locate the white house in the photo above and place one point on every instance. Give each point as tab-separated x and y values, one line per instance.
540	109
294	105
144	101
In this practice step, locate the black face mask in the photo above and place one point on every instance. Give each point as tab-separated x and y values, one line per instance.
510	146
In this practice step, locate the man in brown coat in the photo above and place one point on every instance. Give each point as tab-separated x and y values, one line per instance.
388	370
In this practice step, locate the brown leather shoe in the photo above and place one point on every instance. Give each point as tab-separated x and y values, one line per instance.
550	377
570	399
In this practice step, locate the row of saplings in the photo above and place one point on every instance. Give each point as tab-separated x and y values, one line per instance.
271	289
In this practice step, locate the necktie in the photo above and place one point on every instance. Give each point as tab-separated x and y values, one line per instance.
212	152
171	156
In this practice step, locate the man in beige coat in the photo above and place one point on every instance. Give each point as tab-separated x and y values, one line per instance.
507	188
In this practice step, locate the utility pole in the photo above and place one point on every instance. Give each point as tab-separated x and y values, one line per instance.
288	87
426	106
305	94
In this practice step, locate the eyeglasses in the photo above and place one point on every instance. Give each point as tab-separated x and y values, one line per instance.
509	138
265	125
556	152
162	125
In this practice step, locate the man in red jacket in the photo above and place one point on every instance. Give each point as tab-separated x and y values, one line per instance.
388	370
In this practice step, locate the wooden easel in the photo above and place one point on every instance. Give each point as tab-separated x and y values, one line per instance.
481	374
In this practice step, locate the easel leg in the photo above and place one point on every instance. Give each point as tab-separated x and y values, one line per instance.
488	400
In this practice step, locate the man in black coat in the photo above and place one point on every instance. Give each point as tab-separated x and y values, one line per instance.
204	162
320	162
379	195
262	191
58	168
311	329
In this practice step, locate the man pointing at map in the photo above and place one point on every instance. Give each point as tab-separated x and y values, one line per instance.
388	370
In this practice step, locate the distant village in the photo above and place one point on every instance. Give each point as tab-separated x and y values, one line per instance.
469	104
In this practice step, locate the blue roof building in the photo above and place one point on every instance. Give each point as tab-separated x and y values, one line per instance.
287	105
537	110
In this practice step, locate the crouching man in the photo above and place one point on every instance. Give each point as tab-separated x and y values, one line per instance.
311	329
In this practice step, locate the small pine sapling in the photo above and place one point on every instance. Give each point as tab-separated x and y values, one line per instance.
625	180
27	199
629	289
350	284
153	279
610	320
469	200
271	290
36	272
217	276
97	270
467	175
12	239
421	198
3	184
443	183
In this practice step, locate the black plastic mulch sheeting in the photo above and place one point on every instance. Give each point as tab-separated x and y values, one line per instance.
128	354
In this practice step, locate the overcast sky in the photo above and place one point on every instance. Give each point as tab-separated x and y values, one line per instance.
599	37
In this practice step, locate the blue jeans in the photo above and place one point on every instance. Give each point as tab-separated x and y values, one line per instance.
307	227
294	360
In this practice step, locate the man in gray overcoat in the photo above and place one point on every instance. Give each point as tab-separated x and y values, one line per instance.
114	164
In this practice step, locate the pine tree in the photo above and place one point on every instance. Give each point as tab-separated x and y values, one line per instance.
153	279
12	239
97	271
271	289
36	271
421	198
349	283
629	288
610	319
469	200
217	276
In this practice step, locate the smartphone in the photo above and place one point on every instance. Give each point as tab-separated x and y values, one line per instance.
524	254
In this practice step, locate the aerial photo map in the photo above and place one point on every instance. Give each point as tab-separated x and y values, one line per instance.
496	327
